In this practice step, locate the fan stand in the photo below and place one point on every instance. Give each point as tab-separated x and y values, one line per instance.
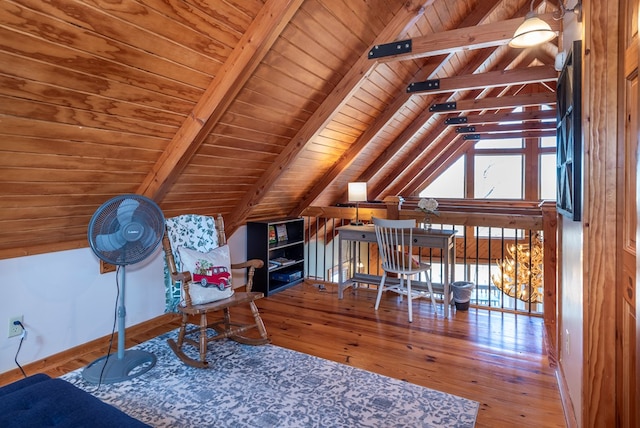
128	364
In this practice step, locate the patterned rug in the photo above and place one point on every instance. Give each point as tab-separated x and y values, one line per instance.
269	386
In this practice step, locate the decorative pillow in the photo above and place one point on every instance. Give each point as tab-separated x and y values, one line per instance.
211	274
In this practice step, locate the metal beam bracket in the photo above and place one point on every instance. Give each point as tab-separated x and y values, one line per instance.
389	49
455	120
443	107
427	85
465	129
471	136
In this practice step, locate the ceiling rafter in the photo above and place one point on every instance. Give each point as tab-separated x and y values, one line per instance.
249	52
523	133
496	128
510	116
501	102
491	79
468	38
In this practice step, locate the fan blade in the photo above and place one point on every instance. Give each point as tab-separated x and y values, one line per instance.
125	211
110	242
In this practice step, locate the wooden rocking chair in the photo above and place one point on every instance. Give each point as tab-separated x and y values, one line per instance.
223	327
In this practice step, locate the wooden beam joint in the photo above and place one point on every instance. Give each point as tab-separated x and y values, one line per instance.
443	107
427	85
389	49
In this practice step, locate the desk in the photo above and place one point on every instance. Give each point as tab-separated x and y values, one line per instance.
433	238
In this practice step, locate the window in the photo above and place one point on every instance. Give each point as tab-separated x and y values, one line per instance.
498	177
449	184
548	176
507	143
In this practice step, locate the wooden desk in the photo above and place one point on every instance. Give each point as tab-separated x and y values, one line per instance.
434	238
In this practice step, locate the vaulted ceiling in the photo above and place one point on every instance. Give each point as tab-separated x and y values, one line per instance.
248	108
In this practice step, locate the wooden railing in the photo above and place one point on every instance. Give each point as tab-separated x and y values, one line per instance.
485	228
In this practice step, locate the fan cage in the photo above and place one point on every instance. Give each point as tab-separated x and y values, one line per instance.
105	221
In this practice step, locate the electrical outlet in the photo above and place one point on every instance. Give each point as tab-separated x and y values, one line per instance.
15	329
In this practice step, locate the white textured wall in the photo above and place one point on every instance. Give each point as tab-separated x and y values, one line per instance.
66	302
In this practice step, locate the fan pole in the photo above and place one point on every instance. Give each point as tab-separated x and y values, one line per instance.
127	364
122	313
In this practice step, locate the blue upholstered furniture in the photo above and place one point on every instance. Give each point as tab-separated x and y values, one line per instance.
40	401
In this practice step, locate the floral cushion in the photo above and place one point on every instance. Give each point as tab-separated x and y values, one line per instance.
196	232
211	273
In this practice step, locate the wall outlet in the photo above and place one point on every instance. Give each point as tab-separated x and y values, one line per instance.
15	329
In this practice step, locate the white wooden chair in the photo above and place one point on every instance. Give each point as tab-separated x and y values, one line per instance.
395	245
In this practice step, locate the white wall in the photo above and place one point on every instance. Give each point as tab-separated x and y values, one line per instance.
571	281
66	302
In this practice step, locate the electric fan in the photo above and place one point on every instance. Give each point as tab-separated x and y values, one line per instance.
123	231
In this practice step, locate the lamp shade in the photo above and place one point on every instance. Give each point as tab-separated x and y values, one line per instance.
531	32
358	191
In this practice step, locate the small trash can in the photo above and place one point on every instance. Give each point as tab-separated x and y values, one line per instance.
462	294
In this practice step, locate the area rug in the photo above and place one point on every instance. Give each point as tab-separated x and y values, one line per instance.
269	386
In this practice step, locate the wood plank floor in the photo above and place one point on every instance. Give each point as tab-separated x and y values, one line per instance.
494	358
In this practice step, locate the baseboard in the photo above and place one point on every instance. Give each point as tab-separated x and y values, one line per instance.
565	398
68	360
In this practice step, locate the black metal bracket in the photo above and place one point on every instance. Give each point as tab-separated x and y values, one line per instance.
471	137
465	129
455	120
443	106
427	85
389	49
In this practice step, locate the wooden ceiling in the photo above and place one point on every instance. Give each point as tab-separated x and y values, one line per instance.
248	108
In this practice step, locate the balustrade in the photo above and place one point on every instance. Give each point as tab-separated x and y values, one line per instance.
486	232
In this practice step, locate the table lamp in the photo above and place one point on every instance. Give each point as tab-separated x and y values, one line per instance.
357	193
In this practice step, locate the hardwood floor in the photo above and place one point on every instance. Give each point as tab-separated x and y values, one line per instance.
494	358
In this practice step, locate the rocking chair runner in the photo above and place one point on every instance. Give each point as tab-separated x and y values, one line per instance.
223	327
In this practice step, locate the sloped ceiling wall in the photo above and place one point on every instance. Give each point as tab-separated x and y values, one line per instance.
247	108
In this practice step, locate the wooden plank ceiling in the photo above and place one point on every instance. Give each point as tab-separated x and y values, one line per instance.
249	108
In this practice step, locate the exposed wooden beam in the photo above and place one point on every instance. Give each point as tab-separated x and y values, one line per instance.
510	135
509	116
474	37
491	79
247	55
543	98
495	128
323	114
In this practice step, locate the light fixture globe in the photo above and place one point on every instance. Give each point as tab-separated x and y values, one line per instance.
533	31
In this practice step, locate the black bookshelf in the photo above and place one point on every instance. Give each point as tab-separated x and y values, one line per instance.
280	243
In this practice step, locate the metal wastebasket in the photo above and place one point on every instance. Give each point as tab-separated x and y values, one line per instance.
462	294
